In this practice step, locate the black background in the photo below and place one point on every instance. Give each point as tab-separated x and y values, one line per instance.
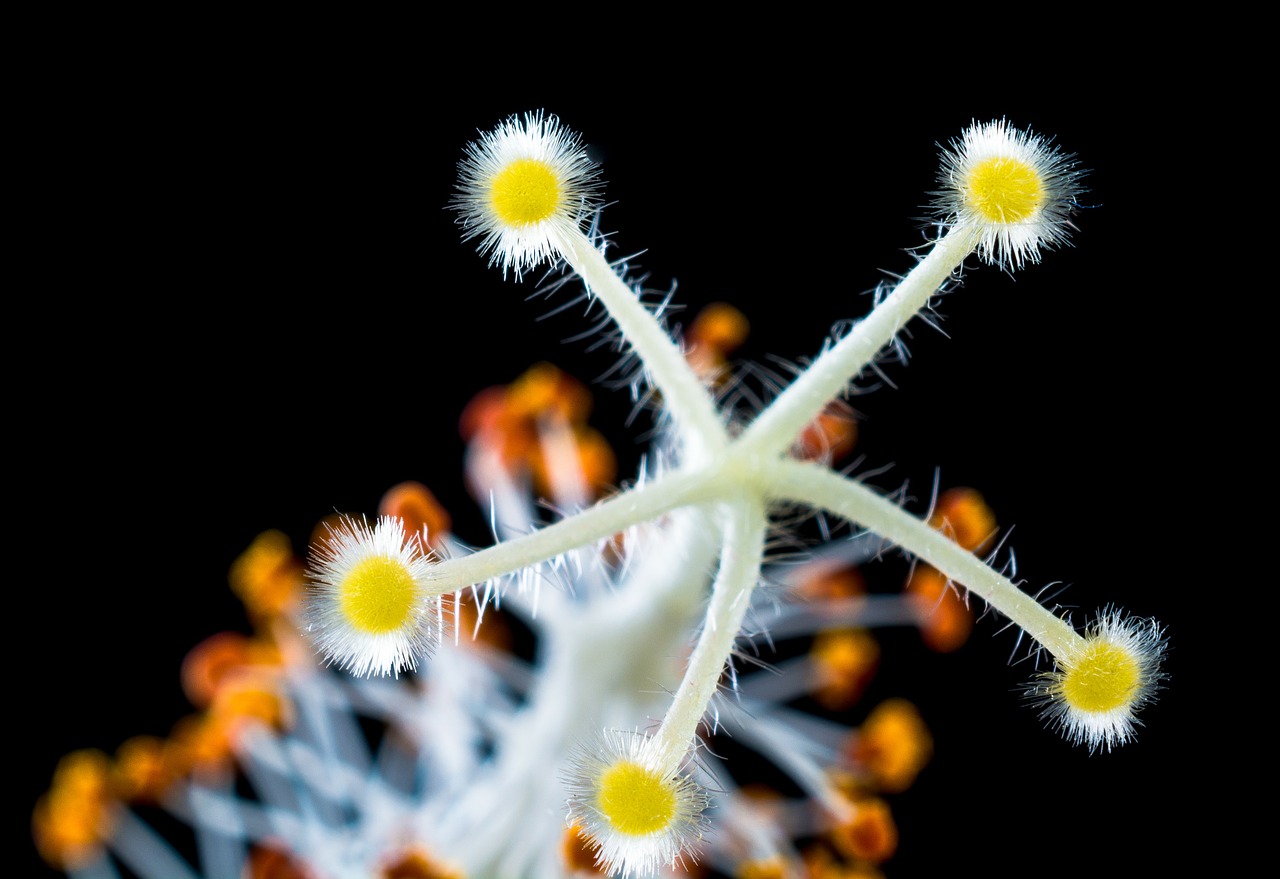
251	308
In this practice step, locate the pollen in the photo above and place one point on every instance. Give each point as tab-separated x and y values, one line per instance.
964	515
377	596
201	740
635	800
272	863
577	852
844	662
75	816
415	505
525	192
893	745
767	868
945	620
143	769
1004	190
1103	678
218	659
872	835
830	436
267	577
418	864
715	333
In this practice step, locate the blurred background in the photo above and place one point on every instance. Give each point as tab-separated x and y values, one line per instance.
254	309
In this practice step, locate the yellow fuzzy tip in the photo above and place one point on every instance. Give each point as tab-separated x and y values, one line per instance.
1104	677
377	596
525	192
636	800
1004	190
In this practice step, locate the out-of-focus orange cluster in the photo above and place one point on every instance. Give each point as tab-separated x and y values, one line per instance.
270	862
830	436
77	813
577	854
964	516
537	427
822	863
945	621
236	680
832	584
844	658
890	747
715	333
417	863
845	661
233	680
945	618
578	857
887	752
268	578
415	505
882	756
870	836
763	868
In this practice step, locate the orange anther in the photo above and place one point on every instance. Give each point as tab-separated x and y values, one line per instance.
832	584
417	864
484	413
546	391
830	436
200	741
720	326
821	863
75	816
510	421
716	332
596	458
422	514
768	868
871	836
945	620
143	769
267	577
250	699
844	660
591	459
211	662
892	745
273	863
963	513
578	853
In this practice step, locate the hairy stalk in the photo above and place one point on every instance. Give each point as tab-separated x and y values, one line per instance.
683	395
820	488
602	520
778	426
745	525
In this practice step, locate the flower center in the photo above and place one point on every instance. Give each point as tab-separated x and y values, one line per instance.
635	800
377	596
1004	190
1103	678
525	191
